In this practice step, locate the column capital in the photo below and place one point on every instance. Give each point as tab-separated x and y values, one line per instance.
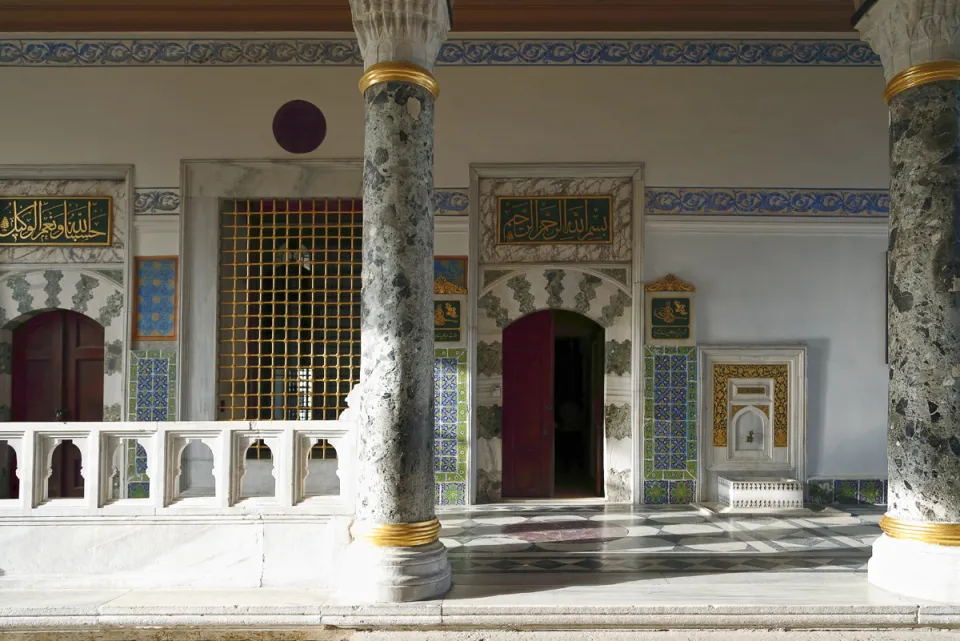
907	33
408	31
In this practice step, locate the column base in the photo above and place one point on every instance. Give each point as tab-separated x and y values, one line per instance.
916	569
372	574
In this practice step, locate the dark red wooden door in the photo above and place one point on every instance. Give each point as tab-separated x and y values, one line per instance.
528	353
58	368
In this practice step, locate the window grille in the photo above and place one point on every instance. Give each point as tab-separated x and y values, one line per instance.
289	308
323	450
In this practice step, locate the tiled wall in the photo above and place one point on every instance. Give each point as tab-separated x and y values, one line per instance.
670	425
450	426
152	385
847	491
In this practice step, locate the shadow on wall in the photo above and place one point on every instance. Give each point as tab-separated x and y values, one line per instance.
818	352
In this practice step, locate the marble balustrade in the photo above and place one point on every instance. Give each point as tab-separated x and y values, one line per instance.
111	460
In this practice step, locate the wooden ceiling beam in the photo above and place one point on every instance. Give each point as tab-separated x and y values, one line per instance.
494	16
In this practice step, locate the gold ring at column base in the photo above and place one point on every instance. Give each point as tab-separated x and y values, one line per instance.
922	74
399	72
398	535
933	533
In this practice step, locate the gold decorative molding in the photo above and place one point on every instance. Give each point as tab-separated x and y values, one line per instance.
397	535
932	533
922	74
442	286
399	72
723	372
669	283
737	408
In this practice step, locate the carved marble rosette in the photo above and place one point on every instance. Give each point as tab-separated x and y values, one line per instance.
396	555
919	43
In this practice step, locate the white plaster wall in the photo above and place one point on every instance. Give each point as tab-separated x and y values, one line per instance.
695	126
825	292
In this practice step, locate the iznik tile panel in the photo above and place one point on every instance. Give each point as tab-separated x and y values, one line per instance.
450	425
138	483
670	425
153	385
847	491
155	282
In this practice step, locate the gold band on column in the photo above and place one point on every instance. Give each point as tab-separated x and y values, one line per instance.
399	72
922	74
397	535
933	533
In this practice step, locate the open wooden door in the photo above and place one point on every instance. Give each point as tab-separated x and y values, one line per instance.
528	414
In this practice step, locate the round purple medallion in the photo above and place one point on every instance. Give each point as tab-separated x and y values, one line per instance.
299	127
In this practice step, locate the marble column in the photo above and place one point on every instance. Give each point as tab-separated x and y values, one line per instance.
918	554
395	555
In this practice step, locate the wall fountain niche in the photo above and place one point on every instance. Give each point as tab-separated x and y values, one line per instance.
754	424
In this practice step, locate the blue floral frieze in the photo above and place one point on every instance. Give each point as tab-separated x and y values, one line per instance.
163	200
500	52
767	202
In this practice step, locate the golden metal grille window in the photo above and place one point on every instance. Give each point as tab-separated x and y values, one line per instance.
289	308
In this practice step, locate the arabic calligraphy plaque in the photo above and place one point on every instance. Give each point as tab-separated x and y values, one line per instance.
446	321
63	221
670	318
557	220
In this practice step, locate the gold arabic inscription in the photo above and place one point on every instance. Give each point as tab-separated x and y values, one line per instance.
61	221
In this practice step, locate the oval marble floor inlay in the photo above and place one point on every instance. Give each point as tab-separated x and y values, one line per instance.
572	531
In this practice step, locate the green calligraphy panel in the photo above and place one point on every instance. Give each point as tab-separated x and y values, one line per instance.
670	318
63	221
556	220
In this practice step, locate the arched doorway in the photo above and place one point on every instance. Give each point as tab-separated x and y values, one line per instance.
553	406
58	368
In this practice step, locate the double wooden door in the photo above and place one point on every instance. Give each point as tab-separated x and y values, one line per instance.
58	376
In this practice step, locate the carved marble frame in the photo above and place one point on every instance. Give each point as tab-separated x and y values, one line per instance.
624	454
205	183
119	330
793	463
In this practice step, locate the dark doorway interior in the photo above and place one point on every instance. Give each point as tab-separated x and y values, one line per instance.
553	407
578	392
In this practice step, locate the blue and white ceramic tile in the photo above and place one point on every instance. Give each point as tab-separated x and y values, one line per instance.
153	385
483	52
695	201
847	491
670	425
450	425
157	200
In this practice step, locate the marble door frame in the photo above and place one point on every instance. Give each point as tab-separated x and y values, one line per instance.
205	183
603	283
94	281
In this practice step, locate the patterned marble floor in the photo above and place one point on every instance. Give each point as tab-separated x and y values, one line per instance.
526	538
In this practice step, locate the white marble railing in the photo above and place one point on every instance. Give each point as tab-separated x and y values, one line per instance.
190	467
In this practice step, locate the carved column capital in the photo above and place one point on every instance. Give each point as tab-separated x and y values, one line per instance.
906	33
400	30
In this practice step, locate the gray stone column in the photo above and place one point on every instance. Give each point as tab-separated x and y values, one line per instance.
395	555
919	43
